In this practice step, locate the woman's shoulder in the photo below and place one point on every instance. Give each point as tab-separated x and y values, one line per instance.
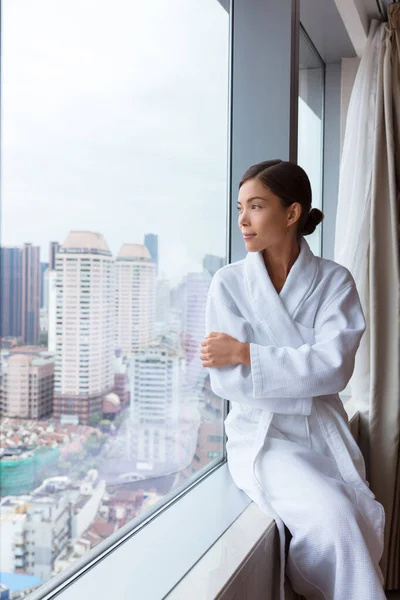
228	277
334	270
333	274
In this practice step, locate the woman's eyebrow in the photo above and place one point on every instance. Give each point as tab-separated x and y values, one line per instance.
254	198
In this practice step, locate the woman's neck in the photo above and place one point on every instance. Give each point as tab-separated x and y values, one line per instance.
279	261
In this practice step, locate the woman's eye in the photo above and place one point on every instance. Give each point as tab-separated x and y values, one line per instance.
252	206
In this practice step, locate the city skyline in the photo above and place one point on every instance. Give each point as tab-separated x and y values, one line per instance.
179	274
213	261
117	144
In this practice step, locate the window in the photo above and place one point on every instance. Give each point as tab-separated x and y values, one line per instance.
115	144
310	126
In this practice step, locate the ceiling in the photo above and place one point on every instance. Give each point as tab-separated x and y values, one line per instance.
356	16
338	28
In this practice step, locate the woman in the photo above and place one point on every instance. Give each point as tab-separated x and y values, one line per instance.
283	329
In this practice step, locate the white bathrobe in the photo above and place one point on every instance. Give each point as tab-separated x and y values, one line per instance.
289	446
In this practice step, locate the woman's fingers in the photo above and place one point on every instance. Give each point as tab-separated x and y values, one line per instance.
205	359
206	348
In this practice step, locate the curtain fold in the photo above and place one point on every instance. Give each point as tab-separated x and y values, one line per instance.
367	243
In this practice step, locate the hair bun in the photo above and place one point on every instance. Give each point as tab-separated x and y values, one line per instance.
314	218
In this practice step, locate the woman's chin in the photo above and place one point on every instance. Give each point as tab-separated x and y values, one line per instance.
251	244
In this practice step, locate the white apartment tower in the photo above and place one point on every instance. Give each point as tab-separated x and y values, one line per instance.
156	385
135	300
47	533
84	326
158	441
195	290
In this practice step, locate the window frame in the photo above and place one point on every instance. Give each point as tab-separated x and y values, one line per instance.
306	39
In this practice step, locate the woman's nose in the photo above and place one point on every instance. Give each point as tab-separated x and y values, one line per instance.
242	219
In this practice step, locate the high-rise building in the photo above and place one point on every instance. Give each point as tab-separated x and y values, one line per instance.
135	298
195	290
212	263
48	524
163	300
13	534
31	292
53	249
156	440
27	385
84	326
50	296
43	292
45	289
151	242
10	292
156	385
121	380
51	277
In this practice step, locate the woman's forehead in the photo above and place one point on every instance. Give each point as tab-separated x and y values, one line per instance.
253	188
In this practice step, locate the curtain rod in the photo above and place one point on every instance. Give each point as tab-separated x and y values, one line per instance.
382	8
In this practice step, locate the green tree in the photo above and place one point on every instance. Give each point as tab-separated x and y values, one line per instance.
94	419
93	444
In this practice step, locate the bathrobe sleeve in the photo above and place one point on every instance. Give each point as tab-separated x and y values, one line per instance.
322	368
233	382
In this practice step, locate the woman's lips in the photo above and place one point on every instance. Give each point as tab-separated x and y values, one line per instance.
247	236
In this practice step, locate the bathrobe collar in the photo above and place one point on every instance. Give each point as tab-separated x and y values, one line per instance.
278	309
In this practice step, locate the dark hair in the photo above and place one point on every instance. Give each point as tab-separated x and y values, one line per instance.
290	183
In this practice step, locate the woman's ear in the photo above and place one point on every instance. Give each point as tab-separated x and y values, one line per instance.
294	213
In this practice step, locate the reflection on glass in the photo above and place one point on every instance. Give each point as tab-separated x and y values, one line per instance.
114	187
310	126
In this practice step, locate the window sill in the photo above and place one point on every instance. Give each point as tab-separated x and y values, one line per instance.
151	561
230	565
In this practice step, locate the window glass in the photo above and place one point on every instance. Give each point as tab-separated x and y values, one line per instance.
310	126
114	177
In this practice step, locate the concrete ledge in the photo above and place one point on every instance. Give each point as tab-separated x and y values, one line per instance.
243	563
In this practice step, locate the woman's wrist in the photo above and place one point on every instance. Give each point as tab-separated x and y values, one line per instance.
244	354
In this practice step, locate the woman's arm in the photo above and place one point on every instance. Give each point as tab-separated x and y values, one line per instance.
233	380
283	372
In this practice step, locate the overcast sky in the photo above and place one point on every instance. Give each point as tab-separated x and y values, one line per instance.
115	120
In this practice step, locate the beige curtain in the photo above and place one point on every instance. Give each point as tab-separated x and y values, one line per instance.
367	243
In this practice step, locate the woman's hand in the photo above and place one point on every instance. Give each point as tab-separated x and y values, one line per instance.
221	350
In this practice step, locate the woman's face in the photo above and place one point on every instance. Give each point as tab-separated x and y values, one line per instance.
261	213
